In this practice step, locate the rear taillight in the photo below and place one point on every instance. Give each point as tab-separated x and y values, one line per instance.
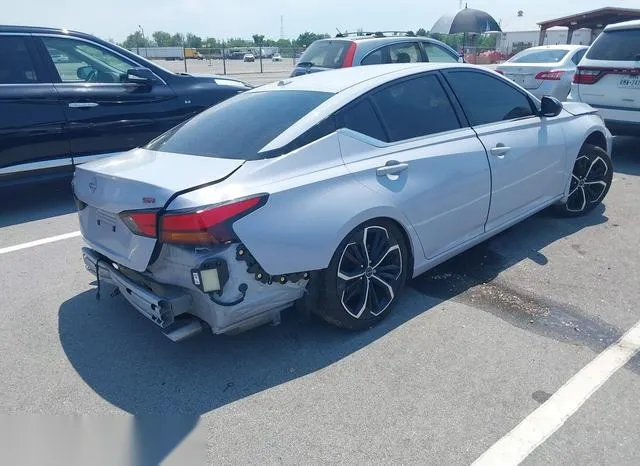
587	75
553	75
141	222
207	225
347	61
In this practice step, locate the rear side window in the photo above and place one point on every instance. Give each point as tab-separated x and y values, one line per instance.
486	99
403	52
616	46
414	108
240	126
16	65
361	118
437	54
326	53
540	56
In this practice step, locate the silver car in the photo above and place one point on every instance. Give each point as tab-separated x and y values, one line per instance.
329	191
545	70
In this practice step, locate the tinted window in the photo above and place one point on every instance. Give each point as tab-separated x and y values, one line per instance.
361	118
403	52
616	46
240	126
79	61
326	53
539	56
414	108
16	66
486	99
435	53
578	56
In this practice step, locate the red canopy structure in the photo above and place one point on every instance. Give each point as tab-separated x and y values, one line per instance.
594	20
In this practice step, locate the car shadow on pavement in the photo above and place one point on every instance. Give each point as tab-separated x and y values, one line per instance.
626	155
28	203
126	360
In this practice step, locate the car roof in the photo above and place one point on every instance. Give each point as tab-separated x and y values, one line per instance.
339	79
557	47
633	24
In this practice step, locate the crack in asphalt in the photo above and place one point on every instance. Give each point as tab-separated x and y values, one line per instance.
472	278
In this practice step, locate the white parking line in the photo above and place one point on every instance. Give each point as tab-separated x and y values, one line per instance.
39	242
514	447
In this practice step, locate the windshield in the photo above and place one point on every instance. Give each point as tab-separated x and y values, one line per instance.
616	46
325	53
540	56
239	127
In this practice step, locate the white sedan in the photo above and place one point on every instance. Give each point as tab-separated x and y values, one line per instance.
363	178
545	70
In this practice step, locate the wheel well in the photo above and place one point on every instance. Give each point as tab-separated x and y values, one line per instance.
597	139
407	240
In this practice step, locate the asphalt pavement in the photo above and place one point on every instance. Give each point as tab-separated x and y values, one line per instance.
474	347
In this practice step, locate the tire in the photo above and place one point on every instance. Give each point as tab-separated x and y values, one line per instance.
370	291
590	182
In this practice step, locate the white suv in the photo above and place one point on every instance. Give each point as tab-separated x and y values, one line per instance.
608	77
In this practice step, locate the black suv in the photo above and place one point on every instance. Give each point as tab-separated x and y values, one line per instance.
68	97
372	48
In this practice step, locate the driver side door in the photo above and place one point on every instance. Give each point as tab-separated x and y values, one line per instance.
104	114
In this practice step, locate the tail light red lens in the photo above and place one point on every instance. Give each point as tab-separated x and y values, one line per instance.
587	76
347	61
553	75
207	225
141	222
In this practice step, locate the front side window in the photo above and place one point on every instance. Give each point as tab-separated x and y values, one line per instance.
403	52
486	99
435	53
239	127
16	65
414	108
79	61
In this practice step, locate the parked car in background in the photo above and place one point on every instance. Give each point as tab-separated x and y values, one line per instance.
276	57
223	222
373	48
249	57
544	70
608	77
68	97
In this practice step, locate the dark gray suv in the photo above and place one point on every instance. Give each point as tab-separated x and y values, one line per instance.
372	48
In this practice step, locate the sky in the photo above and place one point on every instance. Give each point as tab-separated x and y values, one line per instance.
114	19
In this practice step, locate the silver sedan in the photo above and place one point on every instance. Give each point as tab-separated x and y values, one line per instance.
329	191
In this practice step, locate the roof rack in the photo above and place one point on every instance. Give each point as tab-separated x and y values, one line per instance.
376	34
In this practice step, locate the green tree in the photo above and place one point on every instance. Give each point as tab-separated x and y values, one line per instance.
193	41
136	40
161	38
176	40
238	42
421	32
258	39
210	43
307	38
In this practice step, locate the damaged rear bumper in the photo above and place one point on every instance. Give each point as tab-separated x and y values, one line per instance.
162	310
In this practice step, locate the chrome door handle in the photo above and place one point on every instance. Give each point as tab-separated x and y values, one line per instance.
500	149
392	169
82	104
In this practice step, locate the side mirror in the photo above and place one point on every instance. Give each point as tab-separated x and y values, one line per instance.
550	106
140	76
84	72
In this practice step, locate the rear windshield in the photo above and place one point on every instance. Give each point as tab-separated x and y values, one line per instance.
325	53
240	126
540	56
616	46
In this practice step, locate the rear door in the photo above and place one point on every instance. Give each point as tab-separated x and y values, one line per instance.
421	158
31	120
105	115
527	153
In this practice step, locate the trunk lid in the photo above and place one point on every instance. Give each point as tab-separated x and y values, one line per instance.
136	180
525	75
